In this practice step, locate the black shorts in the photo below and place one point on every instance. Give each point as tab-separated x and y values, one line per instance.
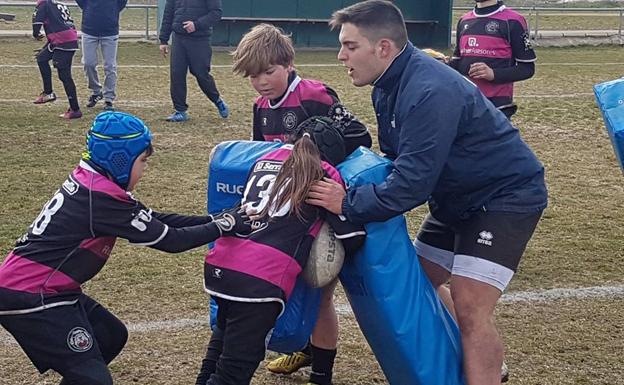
487	246
64	339
60	59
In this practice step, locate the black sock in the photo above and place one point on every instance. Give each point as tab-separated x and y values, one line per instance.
322	365
307	349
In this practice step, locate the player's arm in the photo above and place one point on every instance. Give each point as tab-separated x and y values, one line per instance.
37	20
454	60
524	66
256	131
228	222
133	221
425	139
167	20
520	71
177	220
351	235
81	3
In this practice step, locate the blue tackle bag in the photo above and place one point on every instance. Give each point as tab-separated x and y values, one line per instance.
610	99
230	163
414	338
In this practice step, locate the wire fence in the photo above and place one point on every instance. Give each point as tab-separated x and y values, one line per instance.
534	15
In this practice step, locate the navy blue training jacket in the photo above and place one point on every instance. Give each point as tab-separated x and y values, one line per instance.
101	17
450	146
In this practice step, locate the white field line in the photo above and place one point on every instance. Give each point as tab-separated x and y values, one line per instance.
156	103
537	296
150	66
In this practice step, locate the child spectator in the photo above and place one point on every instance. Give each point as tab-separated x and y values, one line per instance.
494	50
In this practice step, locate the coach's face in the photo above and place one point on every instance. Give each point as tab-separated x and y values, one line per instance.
359	55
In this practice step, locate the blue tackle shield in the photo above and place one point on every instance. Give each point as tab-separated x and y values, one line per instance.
230	163
413	336
610	100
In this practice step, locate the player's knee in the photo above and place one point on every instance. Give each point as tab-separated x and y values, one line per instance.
471	317
437	274
64	74
90	64
120	340
110	68
112	341
90	372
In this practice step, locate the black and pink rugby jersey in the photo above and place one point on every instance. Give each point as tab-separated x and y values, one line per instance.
73	236
264	265
57	23
499	39
304	98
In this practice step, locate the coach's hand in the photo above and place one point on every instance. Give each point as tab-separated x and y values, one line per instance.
233	221
164	49
188	26
327	193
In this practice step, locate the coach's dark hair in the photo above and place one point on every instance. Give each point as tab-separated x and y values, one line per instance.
376	19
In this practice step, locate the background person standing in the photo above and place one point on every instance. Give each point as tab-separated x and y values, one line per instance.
191	22
493	49
60	31
100	29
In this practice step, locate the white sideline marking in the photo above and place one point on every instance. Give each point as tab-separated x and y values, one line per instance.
152	66
344	309
155	103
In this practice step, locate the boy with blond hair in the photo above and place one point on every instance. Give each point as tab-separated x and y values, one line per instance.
266	56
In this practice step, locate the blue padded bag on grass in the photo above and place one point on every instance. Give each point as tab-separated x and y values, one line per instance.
610	100
413	336
230	163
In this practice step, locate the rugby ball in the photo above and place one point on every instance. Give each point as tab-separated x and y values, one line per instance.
326	258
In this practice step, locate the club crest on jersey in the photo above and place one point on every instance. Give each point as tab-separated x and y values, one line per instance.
217	273
70	186
492	27
79	340
289	120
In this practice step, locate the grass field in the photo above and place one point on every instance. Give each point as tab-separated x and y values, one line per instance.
579	242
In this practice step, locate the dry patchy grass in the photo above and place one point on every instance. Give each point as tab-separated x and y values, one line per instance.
578	243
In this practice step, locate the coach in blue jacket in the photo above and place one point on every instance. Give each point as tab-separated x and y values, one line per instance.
454	150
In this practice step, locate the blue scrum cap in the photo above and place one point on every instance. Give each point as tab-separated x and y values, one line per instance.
115	141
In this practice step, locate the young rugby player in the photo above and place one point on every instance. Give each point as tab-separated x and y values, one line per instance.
266	56
41	301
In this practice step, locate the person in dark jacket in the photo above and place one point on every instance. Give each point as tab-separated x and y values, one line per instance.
41	300
100	29
191	22
451	149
